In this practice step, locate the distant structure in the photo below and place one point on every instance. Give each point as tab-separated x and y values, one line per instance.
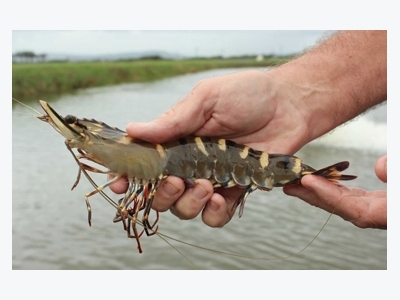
260	57
28	57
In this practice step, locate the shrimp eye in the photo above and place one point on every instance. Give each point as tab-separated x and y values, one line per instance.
70	119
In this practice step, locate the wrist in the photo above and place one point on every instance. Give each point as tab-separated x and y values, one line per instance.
337	80
313	98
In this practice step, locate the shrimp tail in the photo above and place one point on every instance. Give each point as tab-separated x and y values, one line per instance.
333	172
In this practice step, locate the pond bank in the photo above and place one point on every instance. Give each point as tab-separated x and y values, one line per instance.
55	78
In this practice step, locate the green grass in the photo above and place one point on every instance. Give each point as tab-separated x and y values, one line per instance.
44	79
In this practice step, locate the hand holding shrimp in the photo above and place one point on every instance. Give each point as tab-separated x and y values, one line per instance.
279	111
200	113
223	163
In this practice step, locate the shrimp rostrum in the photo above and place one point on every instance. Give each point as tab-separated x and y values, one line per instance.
223	162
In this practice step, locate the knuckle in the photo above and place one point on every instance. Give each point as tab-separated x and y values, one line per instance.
215	222
188	213
159	207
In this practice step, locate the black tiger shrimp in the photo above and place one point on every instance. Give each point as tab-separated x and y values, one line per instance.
223	162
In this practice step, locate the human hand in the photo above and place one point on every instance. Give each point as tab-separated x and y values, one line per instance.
365	209
245	107
277	111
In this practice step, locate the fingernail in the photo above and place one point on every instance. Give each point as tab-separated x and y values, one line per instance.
170	189
199	192
213	206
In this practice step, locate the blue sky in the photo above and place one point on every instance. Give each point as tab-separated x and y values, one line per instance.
187	43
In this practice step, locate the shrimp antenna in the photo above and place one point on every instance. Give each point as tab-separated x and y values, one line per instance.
39	113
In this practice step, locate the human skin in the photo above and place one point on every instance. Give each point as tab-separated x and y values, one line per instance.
279	111
365	209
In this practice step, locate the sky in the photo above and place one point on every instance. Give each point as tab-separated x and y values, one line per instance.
204	43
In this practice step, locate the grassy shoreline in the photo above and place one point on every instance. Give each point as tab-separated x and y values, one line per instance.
44	79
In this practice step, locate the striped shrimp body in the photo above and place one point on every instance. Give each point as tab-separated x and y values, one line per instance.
223	162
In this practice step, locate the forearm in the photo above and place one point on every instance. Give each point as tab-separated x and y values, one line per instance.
337	80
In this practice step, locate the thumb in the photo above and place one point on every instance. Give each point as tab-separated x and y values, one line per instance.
316	191
184	119
324	194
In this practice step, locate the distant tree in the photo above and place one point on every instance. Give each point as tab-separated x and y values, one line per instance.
28	56
42	57
151	57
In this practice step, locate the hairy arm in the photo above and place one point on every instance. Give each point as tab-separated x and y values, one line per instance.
337	80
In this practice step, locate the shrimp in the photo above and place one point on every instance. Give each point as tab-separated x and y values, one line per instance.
225	163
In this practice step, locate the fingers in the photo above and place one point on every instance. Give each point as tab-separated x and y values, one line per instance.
219	210
316	191
215	213
120	186
216	208
168	192
192	201
381	168
350	204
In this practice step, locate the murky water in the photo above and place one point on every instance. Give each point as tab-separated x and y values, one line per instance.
50	229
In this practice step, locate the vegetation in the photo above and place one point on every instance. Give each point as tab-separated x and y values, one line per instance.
35	80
